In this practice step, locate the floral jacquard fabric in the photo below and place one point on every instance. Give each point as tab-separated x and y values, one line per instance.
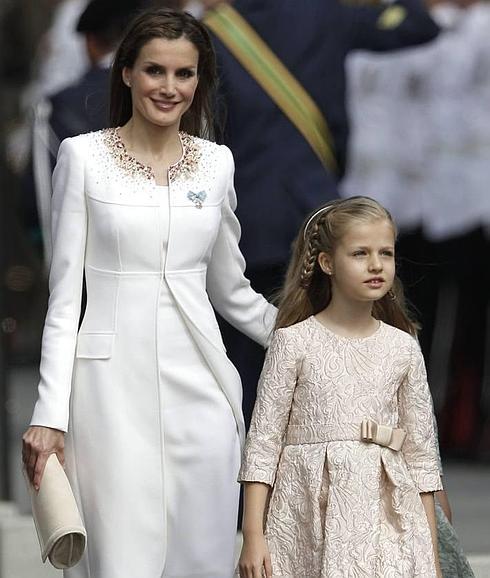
341	507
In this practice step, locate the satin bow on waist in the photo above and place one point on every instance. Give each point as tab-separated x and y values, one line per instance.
367	431
383	435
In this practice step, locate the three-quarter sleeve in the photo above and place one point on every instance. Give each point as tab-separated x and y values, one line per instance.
69	231
416	417
228	288
272	408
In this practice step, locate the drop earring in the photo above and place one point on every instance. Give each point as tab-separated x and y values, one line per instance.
391	295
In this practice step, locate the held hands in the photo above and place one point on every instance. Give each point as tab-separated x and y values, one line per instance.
38	443
255	561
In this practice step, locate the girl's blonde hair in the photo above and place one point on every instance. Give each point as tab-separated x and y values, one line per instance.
307	290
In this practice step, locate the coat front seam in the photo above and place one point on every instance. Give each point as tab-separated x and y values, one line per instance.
159	394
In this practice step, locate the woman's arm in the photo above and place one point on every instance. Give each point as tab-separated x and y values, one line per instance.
69	231
255	556
228	288
428	503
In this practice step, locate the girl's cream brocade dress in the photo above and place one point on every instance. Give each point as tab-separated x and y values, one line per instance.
342	507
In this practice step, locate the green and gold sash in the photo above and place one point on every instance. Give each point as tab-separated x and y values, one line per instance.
271	74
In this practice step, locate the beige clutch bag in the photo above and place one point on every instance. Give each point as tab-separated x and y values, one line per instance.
59	527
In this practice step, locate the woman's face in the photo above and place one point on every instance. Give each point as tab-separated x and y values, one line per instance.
163	81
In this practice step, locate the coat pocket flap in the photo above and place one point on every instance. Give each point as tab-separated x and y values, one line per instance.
95	345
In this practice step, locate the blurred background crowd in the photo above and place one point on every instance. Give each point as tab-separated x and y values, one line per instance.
405	90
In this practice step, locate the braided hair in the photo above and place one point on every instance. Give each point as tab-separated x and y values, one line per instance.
312	251
307	289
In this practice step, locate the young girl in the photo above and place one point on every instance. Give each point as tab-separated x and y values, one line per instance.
343	428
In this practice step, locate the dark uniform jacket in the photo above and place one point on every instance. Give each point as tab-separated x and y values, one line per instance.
83	106
279	179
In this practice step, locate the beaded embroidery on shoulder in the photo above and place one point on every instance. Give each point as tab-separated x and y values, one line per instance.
126	162
189	162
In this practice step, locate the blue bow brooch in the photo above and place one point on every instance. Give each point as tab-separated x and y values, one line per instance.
197	198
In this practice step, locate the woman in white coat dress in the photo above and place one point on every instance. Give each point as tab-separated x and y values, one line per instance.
150	403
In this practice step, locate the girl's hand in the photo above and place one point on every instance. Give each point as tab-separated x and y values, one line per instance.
255	560
443	500
38	443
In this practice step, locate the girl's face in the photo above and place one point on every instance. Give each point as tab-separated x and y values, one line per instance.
163	81
362	266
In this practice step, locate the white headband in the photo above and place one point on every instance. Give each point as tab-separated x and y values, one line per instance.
315	214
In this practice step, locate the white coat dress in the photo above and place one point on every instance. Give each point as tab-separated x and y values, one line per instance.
150	402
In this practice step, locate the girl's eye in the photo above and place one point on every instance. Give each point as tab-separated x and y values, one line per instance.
358	253
388	253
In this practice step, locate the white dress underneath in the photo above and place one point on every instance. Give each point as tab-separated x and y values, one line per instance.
201	443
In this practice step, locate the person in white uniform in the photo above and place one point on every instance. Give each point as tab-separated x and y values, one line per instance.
142	401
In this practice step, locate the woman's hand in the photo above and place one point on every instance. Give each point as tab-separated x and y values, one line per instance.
255	561
38	443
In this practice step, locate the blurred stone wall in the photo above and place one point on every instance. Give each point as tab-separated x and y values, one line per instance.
22	282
